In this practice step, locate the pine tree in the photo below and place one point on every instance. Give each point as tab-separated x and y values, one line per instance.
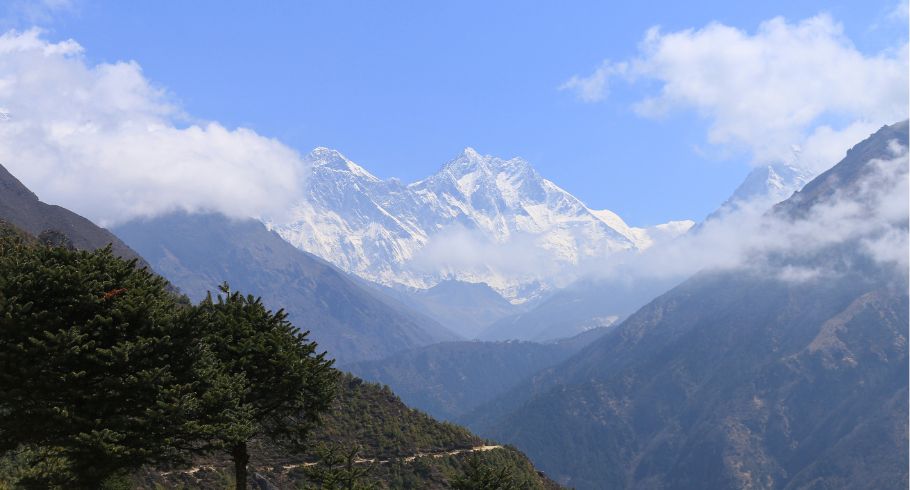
96	363
340	468
480	476
273	382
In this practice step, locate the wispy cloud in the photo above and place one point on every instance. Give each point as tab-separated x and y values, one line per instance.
108	143
871	217
594	87
766	91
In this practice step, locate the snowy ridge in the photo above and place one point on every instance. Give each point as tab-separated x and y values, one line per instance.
478	219
765	186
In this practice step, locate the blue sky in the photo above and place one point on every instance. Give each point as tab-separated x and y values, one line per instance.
402	87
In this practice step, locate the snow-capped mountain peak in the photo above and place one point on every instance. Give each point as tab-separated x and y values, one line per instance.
779	180
764	186
474	220
330	159
472	163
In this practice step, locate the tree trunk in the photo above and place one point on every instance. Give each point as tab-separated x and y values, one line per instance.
241	458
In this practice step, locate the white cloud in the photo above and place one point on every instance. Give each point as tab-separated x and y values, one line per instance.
471	252
770	90
107	143
871	215
594	87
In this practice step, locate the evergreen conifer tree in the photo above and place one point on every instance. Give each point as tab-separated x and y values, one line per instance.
481	476
96	366
273	381
340	468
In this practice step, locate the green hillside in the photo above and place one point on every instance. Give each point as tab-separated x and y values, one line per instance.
370	418
389	444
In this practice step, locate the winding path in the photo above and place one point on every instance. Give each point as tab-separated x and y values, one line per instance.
406	459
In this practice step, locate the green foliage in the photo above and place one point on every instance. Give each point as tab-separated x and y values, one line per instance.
339	468
480	476
265	378
33	468
104	370
95	363
373	418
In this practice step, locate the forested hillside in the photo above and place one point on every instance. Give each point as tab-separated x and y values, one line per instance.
396	446
106	370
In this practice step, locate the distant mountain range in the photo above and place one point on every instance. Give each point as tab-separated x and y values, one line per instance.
450	379
487	221
740	378
579	307
200	251
465	308
479	219
732	379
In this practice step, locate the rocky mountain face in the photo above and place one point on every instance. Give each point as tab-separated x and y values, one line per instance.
199	252
21	207
742	378
479	219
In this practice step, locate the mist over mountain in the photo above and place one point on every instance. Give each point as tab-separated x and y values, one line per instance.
618	284
582	306
678	257
463	307
788	371
764	186
199	252
22	208
450	379
479	219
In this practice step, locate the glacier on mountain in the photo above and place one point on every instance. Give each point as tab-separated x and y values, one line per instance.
478	219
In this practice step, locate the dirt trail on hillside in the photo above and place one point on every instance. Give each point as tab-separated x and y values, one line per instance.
406	459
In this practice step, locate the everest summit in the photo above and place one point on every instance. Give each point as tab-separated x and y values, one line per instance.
478	219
